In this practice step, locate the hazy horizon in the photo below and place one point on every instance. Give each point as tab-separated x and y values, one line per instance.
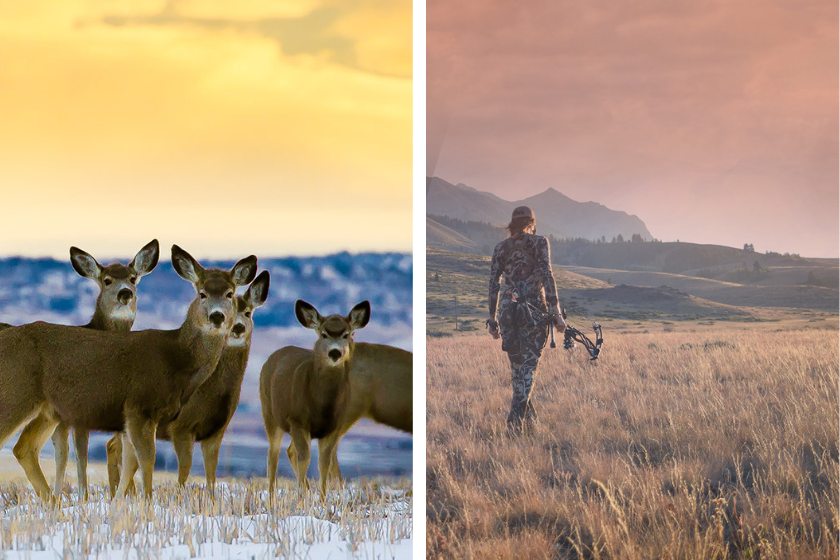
757	248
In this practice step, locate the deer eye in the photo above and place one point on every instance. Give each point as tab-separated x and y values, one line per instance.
107	281
248	314
229	295
324	335
202	295
133	279
346	335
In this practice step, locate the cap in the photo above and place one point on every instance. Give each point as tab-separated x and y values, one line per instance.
522	212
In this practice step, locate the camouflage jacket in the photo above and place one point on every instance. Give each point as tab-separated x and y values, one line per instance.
523	257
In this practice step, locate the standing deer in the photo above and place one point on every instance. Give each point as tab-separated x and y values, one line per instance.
95	380
321	393
116	308
207	414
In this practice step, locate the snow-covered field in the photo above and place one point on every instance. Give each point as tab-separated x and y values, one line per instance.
366	519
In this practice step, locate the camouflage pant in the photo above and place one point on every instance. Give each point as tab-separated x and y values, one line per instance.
524	344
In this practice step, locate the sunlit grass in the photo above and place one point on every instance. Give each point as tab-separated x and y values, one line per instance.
714	444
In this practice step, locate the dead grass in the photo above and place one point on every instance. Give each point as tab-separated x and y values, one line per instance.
714	444
185	522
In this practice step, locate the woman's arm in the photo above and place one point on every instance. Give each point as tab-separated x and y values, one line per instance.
496	269
546	275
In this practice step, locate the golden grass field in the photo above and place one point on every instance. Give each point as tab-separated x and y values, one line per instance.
703	442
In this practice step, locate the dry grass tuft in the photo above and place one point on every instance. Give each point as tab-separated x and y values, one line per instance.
720	444
370	518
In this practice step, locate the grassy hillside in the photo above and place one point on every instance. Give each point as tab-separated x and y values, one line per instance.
716	262
770	295
457	286
438	235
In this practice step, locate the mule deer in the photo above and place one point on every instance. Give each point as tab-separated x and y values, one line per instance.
321	393
115	310
205	417
110	381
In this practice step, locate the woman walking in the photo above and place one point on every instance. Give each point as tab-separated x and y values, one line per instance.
529	295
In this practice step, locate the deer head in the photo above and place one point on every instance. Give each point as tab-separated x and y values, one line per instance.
214	308
117	300
335	343
254	297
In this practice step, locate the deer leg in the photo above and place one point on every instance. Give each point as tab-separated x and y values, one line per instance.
326	453
113	452
32	439
210	452
300	439
129	465
336	472
275	440
141	435
62	450
80	440
183	444
290	452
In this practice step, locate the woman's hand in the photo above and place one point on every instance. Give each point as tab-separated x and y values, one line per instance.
493	327
557	319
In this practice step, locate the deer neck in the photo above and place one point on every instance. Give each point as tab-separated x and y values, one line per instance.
324	369
202	350
103	322
234	360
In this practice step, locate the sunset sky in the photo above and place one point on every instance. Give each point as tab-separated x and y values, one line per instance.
713	121
268	127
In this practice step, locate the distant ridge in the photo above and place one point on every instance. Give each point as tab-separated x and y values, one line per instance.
557	214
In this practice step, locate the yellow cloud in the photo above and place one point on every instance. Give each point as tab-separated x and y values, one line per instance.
382	30
244	10
186	124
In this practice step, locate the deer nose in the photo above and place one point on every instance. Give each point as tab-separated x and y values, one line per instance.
217	318
124	296
238	329
334	354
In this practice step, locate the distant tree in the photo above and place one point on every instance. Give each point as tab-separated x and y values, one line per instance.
756	267
619	238
812	279
748	247
603	239
613	239
637	238
609	281
437	277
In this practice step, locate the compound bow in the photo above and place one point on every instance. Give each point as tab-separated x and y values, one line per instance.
572	335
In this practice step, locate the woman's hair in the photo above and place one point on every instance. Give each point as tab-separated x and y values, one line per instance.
519	225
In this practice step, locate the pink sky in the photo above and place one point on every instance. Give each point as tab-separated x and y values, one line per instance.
713	121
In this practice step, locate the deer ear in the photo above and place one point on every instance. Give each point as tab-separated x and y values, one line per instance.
258	290
359	315
244	271
186	266
84	264
146	259
307	315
